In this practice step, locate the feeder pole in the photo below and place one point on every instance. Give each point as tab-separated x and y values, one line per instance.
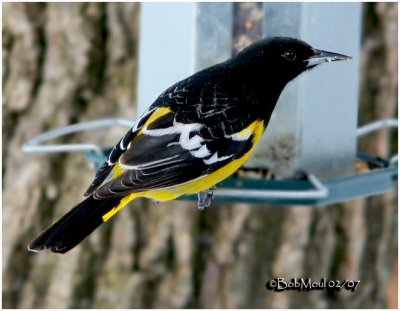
313	127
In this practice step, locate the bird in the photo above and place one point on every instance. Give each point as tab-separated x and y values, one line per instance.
195	134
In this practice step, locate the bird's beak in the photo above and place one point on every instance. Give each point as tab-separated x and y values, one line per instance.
320	57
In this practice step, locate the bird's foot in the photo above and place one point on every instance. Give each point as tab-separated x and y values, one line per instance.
205	198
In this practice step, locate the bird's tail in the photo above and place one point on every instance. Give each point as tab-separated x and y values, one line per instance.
77	224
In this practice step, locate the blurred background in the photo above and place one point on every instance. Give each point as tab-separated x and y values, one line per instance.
68	63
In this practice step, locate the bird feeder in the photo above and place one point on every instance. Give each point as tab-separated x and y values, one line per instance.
314	126
379	175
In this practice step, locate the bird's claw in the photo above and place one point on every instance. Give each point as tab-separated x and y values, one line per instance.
205	198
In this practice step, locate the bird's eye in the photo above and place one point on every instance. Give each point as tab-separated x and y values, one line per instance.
289	55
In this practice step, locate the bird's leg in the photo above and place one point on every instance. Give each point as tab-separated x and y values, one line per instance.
300	175
205	198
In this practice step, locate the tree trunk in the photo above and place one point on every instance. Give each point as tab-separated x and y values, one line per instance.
67	63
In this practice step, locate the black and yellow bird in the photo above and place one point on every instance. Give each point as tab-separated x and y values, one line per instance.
196	133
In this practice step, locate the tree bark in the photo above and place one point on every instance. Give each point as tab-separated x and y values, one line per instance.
73	62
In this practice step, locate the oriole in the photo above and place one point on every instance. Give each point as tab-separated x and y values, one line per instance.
196	133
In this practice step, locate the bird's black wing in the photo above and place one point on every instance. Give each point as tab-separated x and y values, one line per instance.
167	153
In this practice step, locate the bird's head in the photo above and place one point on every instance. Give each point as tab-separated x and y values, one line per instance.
281	59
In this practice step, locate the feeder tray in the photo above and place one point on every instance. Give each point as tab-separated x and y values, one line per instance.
380	177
